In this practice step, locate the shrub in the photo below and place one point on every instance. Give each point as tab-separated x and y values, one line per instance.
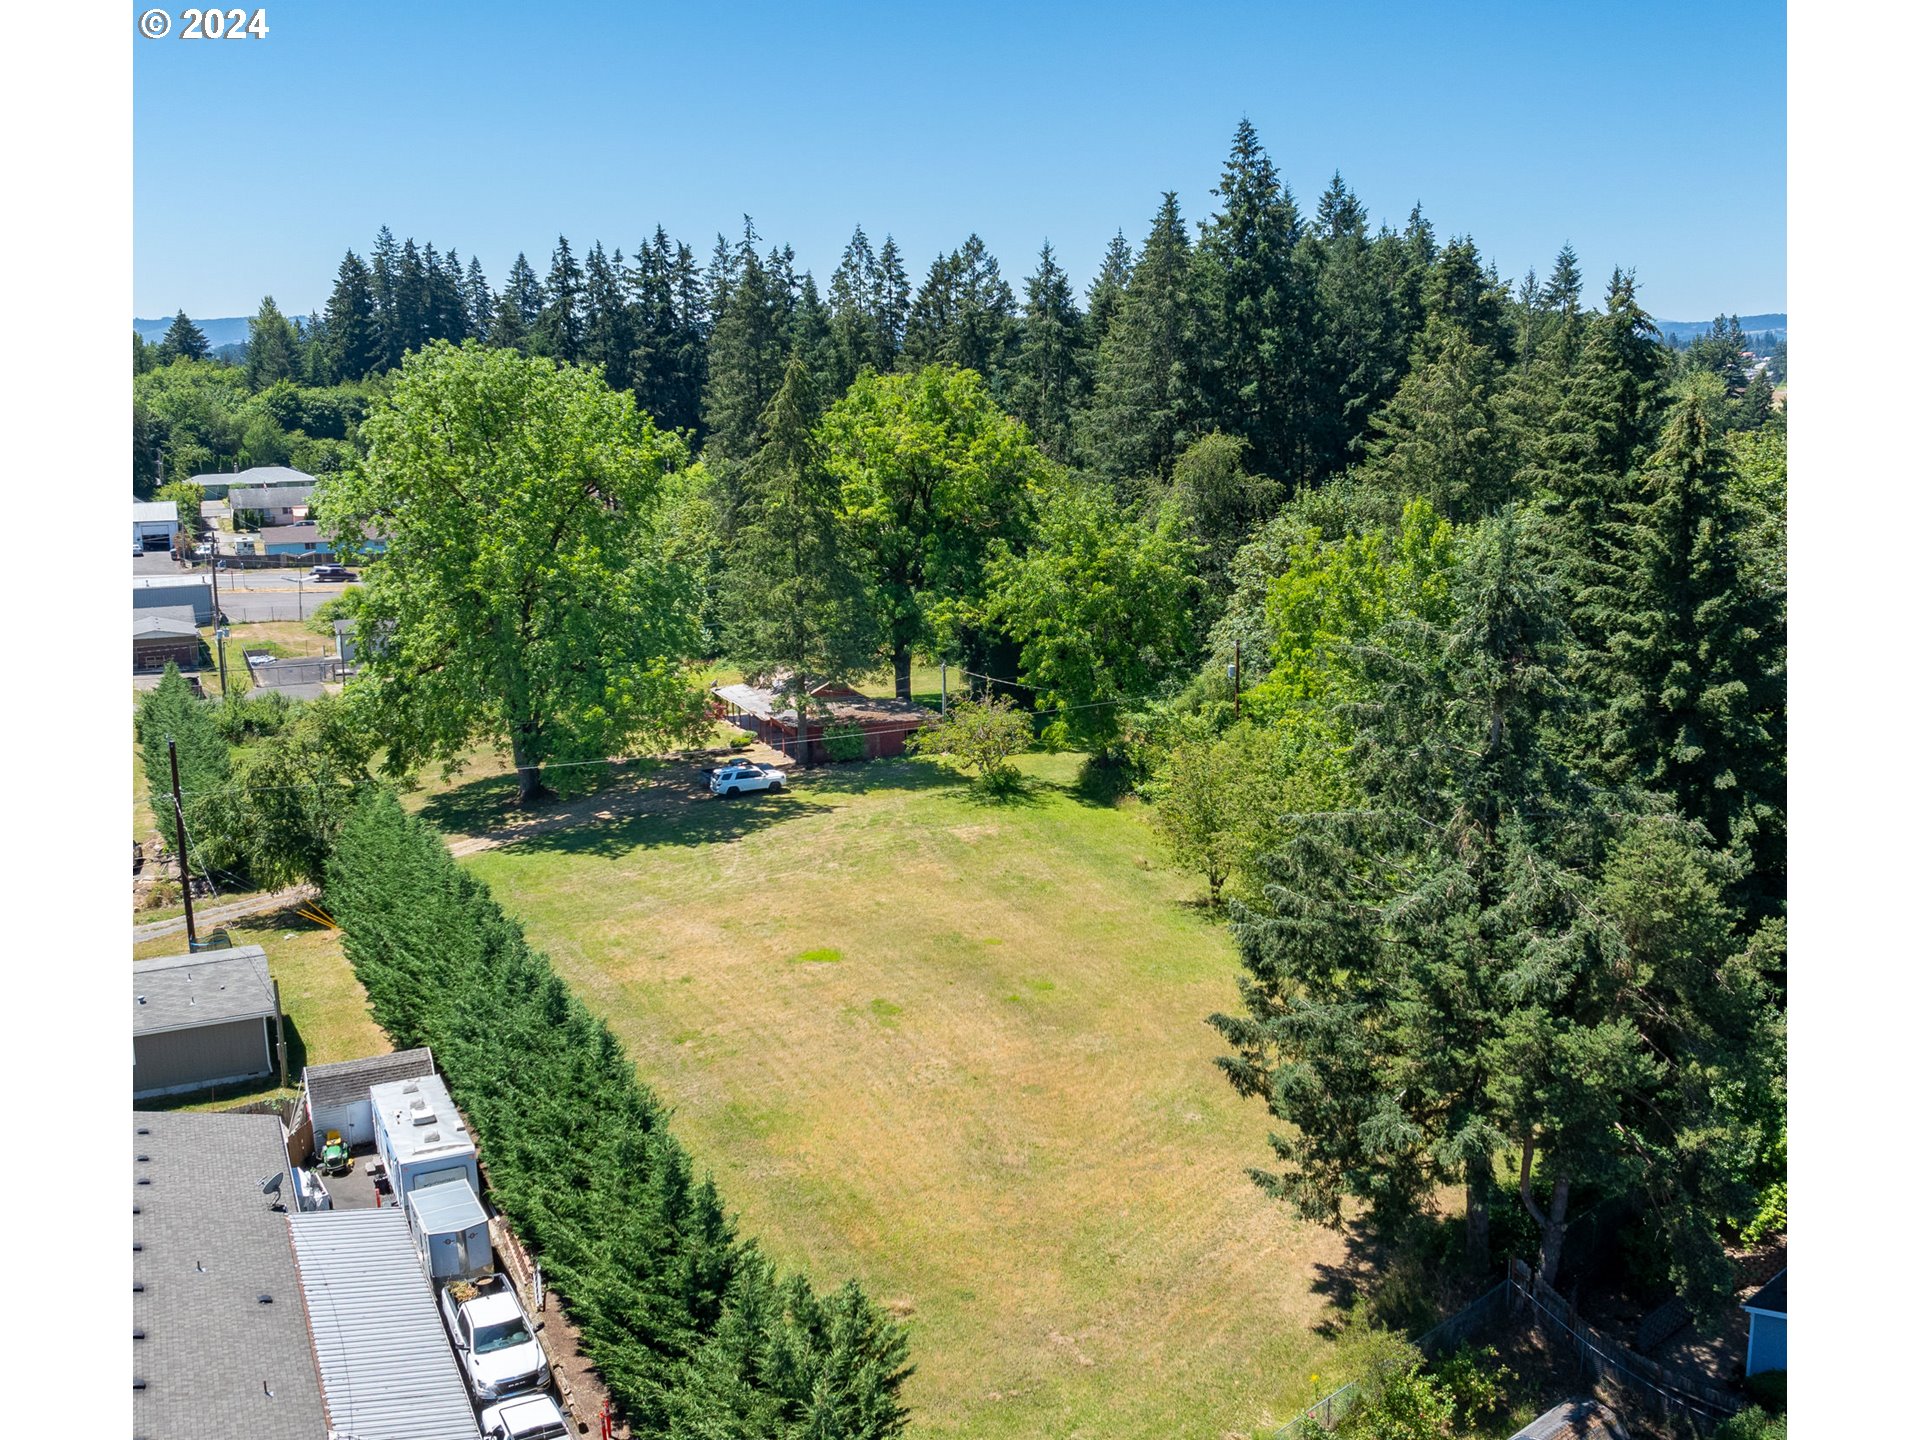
694	1332
844	741
982	736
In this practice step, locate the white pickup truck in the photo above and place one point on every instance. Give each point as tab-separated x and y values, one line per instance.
493	1339
526	1417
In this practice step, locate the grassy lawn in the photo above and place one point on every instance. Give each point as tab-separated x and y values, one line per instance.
327	1015
958	1051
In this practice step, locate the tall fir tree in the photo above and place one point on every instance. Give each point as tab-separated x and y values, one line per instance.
608	334
894	300
1103	296
353	328
746	357
273	348
1153	374
1263	312
1050	373
1442	438
560	332
853	298
963	315
477	297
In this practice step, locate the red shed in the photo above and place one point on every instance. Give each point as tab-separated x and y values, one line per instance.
762	710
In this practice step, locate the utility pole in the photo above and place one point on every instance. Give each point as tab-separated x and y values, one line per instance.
180	843
943	687
220	640
1236	680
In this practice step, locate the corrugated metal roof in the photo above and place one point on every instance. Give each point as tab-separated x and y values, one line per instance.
173	582
155	511
349	1080
386	1367
218	1363
450	1206
151	622
275	497
179	992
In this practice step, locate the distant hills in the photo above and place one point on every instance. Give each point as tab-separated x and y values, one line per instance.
1683	331
230	330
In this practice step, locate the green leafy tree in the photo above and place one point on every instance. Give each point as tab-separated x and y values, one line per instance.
1200	807
931	473
209	804
184	340
185	498
299	786
980	735
524	595
1101	605
795	611
1219	503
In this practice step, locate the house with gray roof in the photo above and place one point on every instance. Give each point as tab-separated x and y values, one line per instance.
273	493
163	635
204	1020
220	1348
386	1366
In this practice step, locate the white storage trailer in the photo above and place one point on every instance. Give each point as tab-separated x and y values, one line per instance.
420	1136
449	1227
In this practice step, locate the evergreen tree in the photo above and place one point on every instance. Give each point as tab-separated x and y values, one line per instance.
810	329
895	300
273	350
1361	344
1152	376
663	283
1339	214
1050	373
383	276
143	360
746	357
964	315
794	609
854	298
1103	297
443	305
316	352
1264	312
353	329
1459	288
1693	655
184	340
407	324
1441	437
1756	403
560	330
609	333
478	299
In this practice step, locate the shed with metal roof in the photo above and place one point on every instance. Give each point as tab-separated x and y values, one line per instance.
337	1096
203	1020
386	1366
220	1347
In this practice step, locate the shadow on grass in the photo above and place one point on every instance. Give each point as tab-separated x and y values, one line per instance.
484	804
1410	1277
673	819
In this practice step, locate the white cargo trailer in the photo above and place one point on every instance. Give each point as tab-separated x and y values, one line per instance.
449	1227
421	1138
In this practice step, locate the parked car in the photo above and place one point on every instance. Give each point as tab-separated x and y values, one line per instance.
530	1417
328	573
493	1338
744	775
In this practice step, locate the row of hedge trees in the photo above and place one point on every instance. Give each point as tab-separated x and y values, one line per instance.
694	1331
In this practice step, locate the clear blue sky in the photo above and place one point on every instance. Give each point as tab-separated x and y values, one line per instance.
1650	135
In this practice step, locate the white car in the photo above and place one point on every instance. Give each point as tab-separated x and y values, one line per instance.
743	775
530	1417
494	1341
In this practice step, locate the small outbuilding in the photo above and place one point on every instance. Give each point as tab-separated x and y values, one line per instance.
156	527
165	636
1767	1327
420	1136
338	1096
833	711
1575	1420
193	593
304	539
204	1020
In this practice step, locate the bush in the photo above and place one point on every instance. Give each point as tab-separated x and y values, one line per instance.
741	741
694	1332
982	736
1753	1423
241	718
844	740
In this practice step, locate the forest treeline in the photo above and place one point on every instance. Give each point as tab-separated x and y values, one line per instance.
1440	620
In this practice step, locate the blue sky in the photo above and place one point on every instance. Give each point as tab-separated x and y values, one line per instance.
1650	135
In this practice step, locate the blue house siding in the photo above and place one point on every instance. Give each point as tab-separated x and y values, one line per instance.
1766	1342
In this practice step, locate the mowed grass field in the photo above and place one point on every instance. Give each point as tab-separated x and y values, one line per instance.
957	1050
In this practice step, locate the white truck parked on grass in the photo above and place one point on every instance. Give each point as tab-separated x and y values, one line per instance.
529	1417
493	1338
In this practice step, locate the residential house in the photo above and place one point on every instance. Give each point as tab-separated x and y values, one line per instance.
1767	1327
165	635
205	1019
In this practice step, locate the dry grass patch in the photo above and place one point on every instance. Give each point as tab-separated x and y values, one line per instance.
997	1107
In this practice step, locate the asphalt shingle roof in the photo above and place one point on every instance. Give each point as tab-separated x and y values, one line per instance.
218	1362
348	1080
181	991
1771	1296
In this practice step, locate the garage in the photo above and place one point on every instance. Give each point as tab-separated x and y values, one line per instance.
337	1098
202	1021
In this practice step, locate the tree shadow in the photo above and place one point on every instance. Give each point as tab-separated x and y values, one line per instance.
674	820
489	802
1409	1276
865	777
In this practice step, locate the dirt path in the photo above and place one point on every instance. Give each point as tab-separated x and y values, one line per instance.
207	916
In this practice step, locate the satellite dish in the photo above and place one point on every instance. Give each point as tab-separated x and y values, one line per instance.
271	1185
